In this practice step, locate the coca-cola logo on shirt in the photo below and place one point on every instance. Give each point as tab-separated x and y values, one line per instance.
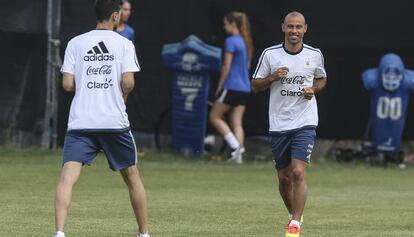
103	70
297	80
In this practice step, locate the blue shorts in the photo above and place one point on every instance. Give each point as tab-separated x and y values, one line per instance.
118	145
296	144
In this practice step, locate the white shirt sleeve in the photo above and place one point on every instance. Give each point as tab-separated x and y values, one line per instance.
263	67
130	62
320	71
69	60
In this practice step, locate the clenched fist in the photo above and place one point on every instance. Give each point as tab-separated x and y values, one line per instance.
279	73
308	93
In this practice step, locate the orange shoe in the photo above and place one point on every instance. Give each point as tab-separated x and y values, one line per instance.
293	231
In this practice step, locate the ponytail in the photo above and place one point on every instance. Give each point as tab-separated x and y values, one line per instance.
245	33
243	25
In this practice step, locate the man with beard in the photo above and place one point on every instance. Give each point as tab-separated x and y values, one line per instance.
294	72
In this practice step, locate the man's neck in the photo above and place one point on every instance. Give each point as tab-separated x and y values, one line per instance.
121	26
293	48
105	25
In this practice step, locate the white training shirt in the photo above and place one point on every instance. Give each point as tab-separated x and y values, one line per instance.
288	109
97	59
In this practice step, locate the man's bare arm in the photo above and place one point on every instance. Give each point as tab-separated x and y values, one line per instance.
127	84
68	82
261	84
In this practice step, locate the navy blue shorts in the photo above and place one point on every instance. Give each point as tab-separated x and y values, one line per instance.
296	144
119	147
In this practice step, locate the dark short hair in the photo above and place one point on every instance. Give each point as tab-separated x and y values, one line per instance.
105	8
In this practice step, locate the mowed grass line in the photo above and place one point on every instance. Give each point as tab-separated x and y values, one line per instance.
195	197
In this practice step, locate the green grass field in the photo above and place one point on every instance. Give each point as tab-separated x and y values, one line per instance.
196	197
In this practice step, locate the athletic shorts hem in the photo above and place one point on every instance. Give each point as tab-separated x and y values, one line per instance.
281	167
233	97
69	160
121	167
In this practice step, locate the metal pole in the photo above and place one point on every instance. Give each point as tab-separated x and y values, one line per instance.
49	136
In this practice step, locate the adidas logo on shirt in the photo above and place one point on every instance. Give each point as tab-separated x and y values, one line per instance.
98	53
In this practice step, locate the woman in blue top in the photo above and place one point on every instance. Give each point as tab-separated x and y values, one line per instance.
234	84
123	28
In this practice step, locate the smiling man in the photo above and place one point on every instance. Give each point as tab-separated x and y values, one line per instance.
294	72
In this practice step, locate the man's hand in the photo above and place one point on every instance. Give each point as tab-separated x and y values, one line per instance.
308	93
260	84
278	74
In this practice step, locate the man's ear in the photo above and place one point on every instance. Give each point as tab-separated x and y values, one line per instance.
115	16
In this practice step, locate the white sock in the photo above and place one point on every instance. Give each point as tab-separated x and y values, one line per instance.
294	222
231	140
60	234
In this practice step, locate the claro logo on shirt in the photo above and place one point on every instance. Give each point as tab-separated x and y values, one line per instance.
291	92
100	85
98	53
